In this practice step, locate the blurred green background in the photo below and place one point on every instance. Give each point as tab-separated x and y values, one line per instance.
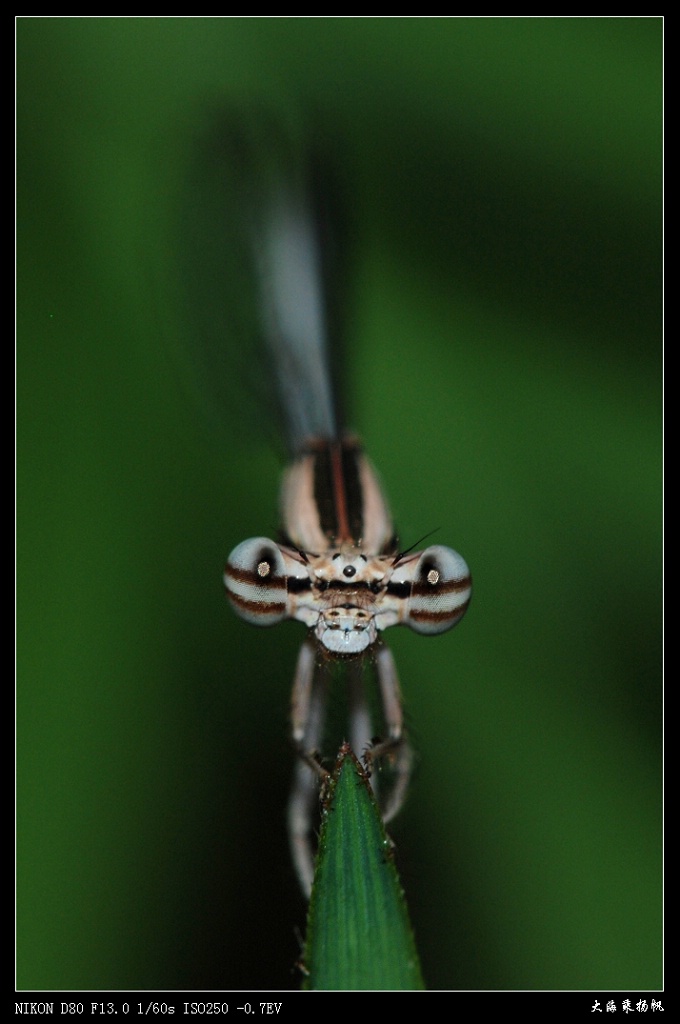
505	371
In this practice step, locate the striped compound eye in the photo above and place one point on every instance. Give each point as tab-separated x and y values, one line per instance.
440	588
255	578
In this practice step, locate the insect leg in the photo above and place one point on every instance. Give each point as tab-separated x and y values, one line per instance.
308	706
396	745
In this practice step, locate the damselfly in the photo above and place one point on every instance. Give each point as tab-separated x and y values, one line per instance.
337	566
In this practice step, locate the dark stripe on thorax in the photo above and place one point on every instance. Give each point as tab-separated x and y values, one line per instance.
337	491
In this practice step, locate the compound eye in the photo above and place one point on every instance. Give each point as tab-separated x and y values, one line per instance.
256	582
440	590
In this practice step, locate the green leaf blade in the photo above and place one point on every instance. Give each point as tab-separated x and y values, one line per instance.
359	935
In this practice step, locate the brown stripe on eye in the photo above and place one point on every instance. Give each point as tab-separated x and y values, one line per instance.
256	607
421	588
253	578
450	615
